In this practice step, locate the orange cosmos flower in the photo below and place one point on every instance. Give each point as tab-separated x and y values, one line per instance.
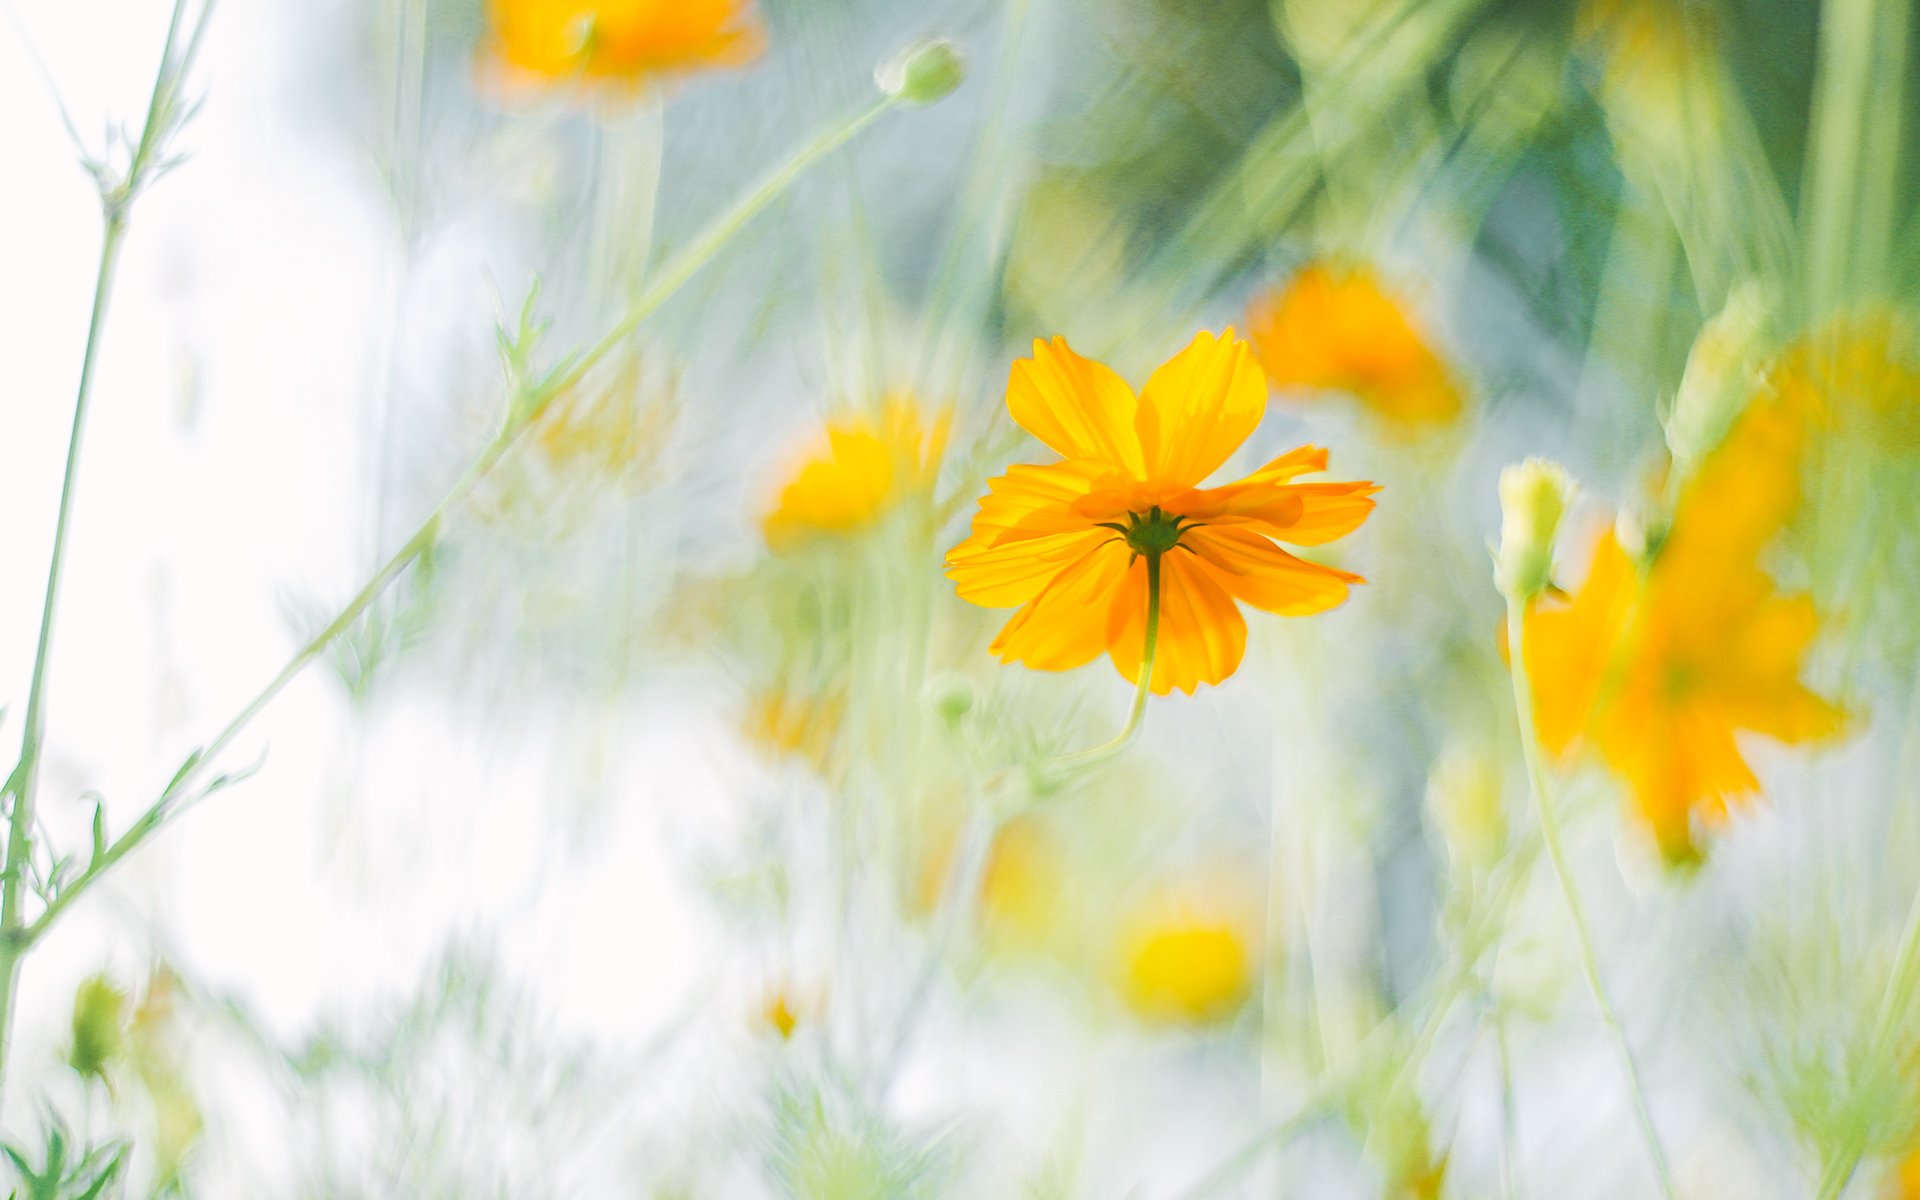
1338	329
1082	544
1662	666
620	40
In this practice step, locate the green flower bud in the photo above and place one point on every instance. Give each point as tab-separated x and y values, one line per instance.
99	1027
923	73
1534	495
1723	371
951	696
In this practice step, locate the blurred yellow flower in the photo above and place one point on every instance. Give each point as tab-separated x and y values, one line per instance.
1184	961
1859	373
1079	544
1903	1182
787	721
1662	666
866	466
612	433
1338	328
626	41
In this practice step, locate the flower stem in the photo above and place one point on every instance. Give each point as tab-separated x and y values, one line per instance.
1583	936
22	786
182	789
1141	684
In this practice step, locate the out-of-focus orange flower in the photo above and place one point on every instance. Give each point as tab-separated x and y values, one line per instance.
866	466
1859	372
1077	543
1661	667
787	721
777	1012
612	433
1903	1182
1185	959
620	41
1338	328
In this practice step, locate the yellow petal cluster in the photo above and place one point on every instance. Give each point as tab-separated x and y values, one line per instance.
1661	666
1858	373
620	41
863	467
1185	961
1337	328
1045	537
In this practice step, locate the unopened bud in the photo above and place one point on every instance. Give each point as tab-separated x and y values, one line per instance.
923	73
1464	796
1534	495
99	1013
1723	371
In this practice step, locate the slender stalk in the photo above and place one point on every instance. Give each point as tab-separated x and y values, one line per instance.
23	785
1556	852
33	738
1120	741
1509	1169
182	788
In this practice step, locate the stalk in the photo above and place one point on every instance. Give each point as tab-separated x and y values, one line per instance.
19	936
23	785
1583	936
1120	741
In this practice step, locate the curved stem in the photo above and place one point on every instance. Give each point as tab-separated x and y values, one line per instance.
1141	685
1556	852
676	272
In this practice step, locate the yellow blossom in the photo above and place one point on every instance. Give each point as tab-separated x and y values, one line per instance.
623	41
1903	1182
1859	373
789	721
1660	668
1080	545
866	465
1185	959
1338	329
778	1014
611	433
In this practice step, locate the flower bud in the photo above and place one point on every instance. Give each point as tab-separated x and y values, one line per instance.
951	697
1464	796
1723	371
1534	495
99	1011
923	73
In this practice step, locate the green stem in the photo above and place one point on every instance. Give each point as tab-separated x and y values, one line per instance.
708	243
26	777
1556	852
680	269
1141	685
23	785
1845	1159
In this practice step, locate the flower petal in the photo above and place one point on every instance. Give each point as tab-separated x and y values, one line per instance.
1031	501
1202	635
1053	632
1260	573
1077	406
1198	408
1013	574
1569	647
